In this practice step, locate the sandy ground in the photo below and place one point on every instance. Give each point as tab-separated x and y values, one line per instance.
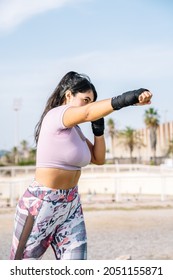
142	234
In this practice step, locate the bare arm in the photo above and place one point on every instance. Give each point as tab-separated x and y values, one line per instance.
96	110
97	150
89	112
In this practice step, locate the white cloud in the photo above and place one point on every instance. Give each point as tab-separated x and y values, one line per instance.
14	12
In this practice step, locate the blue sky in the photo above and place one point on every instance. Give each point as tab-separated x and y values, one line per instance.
120	44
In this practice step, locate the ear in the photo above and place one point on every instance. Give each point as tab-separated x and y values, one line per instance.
68	95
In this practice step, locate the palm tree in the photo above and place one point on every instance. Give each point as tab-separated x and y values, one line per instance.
24	148
111	132
151	119
24	145
130	138
32	155
15	155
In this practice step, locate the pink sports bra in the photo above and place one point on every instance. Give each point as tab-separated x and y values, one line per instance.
59	146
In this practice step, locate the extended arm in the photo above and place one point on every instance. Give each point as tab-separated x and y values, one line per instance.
99	109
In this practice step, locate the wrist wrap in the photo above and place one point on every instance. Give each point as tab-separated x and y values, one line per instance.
98	127
126	99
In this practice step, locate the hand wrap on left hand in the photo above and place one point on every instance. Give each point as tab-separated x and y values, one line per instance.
98	127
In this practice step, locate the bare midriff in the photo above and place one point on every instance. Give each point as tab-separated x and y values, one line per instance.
56	178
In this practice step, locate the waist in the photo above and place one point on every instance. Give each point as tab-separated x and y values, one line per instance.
56	178
48	194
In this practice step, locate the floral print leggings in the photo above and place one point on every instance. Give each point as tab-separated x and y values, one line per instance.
49	217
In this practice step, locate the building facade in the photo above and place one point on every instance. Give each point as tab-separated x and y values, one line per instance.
143	152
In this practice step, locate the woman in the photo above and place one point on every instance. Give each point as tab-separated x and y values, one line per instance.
50	212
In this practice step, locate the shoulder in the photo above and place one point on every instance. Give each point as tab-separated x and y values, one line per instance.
55	117
58	110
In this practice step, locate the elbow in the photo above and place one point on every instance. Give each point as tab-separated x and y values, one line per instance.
100	162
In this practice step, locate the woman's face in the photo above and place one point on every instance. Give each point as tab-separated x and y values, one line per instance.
81	99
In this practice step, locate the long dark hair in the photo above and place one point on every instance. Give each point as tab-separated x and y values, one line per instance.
71	81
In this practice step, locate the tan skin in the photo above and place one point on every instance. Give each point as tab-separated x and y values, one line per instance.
82	109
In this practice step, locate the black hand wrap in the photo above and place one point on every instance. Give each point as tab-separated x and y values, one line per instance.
126	99
98	127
